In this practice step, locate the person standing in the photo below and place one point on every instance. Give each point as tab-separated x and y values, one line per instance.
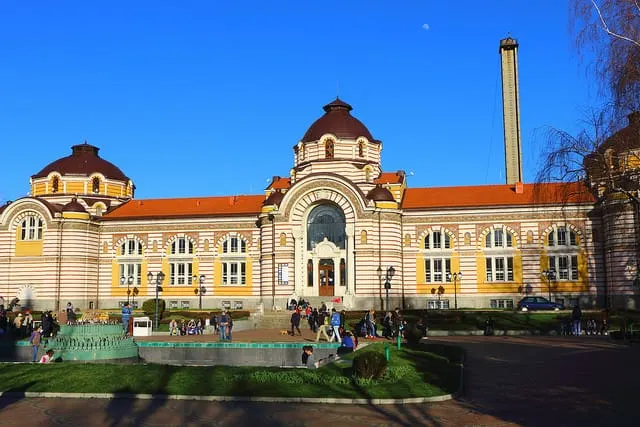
576	315
295	322
229	326
35	343
222	325
126	315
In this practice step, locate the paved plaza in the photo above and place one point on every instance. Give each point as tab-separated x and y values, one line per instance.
529	381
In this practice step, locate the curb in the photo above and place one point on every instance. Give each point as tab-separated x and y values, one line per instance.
341	401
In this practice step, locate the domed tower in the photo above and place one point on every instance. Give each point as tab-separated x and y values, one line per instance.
85	178
341	144
613	173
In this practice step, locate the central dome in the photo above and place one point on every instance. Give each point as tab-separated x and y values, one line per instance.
337	120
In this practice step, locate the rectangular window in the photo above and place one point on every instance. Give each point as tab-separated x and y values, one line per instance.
489	268
487	241
572	238
506	304
563	267
574	267
131	270
562	236
243	273
437	270
225	274
499	269
234	244
283	274
510	269
509	240
180	273
437	239
234	273
427	271
447	241
447	268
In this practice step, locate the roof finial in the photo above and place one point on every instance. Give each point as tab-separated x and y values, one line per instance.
337	88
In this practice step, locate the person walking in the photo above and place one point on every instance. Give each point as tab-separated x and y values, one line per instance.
295	322
335	325
576	316
35	339
126	316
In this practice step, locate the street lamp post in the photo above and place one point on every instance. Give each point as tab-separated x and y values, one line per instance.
456	276
123	280
130	280
200	290
158	283
387	280
549	275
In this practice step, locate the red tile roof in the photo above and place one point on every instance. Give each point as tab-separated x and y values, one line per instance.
187	207
495	195
280	183
389	178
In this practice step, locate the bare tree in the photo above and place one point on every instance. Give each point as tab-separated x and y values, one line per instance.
609	31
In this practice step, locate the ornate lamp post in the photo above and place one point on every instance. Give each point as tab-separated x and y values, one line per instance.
549	275
456	276
158	282
123	280
200	290
387	282
130	281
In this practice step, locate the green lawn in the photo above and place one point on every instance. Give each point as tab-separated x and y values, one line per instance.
419	372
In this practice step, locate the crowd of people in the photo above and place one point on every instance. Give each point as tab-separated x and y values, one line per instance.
222	325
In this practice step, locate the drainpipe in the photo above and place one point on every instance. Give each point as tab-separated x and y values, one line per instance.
273	260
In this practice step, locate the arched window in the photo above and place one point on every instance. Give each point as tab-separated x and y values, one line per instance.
234	265
283	239
31	228
55	184
328	149
360	149
436	240
95	185
499	258
562	249
437	261
181	262
326	221
363	237
130	262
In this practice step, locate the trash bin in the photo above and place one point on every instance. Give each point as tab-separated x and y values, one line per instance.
142	327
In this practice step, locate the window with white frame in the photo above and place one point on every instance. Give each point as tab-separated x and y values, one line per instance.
436	240
31	228
283	274
435	304
437	270
234	266
502	303
562	247
130	262
499	248
181	262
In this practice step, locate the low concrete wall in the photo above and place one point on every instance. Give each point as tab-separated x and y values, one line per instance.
240	354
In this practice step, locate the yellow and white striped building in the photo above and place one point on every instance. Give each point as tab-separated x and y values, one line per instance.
331	229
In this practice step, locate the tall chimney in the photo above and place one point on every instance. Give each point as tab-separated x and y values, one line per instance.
511	110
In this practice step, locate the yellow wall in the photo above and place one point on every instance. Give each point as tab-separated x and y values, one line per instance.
113	190
39	188
499	287
580	285
27	247
72	188
224	290
425	288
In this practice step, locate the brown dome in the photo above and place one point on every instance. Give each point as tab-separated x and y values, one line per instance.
84	160
380	194
338	121
74	206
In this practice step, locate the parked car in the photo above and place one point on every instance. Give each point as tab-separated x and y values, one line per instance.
538	303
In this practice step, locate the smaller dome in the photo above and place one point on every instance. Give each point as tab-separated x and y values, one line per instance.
74	206
380	194
274	198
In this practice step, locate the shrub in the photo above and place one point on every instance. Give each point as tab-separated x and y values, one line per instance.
413	335
369	365
149	307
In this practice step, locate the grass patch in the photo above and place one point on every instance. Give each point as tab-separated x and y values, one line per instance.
422	371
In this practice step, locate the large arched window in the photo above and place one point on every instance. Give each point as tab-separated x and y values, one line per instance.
130	262
562	249
234	265
326	221
499	246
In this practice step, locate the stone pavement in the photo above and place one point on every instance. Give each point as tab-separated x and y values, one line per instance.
529	381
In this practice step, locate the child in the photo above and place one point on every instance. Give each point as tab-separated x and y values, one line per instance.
48	357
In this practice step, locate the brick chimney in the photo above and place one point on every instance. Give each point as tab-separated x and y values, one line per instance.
518	187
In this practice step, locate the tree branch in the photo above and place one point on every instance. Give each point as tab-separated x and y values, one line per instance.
606	27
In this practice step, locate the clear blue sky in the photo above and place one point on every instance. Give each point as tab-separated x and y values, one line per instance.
208	97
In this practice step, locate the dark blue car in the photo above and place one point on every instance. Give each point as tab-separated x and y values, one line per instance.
538	303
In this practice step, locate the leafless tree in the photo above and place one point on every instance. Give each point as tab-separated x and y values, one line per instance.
609	32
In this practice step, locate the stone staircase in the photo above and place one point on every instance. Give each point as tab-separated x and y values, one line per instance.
281	319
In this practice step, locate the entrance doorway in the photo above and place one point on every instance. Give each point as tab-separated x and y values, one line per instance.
326	278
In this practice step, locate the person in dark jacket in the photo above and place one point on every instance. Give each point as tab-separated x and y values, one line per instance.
295	322
576	315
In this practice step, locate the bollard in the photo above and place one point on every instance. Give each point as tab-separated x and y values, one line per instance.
399	340
387	351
